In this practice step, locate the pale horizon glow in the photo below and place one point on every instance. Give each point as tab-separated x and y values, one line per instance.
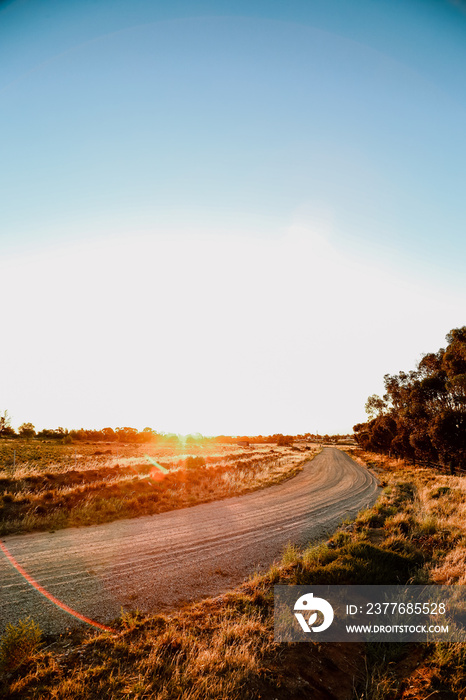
195	332
226	223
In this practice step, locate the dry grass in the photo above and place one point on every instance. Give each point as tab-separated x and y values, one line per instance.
210	653
34	457
19	644
104	485
431	522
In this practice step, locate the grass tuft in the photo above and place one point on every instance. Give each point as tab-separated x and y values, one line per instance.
19	644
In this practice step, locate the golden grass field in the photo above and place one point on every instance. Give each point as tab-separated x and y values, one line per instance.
52	486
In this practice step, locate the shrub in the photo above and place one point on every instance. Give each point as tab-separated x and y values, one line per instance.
291	554
194	462
440	491
130	618
19	643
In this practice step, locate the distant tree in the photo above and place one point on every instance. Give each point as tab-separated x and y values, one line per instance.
5	428
284	440
77	434
127	434
4	420
54	434
27	430
147	435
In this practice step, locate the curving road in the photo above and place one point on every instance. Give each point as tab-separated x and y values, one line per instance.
159	561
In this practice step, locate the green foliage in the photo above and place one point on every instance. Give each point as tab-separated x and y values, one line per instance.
19	643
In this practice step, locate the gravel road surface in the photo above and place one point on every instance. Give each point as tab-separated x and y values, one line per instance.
159	561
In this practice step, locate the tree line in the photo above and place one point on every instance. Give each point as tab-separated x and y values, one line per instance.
422	415
132	435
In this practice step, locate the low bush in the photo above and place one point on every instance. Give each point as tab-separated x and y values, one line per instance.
19	643
194	462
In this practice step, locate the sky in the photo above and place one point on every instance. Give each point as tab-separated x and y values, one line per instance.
226	217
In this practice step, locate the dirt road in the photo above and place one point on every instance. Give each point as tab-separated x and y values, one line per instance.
156	562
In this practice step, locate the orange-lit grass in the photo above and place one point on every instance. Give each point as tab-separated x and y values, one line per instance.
37	499
35	456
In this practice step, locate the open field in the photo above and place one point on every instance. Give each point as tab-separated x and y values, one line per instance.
223	647
51	486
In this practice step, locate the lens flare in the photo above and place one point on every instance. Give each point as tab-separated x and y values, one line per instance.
48	595
157	474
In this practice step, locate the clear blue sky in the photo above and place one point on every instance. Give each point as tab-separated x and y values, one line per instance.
226	216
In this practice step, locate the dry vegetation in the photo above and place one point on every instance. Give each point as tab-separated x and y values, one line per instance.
431	522
224	648
54	486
